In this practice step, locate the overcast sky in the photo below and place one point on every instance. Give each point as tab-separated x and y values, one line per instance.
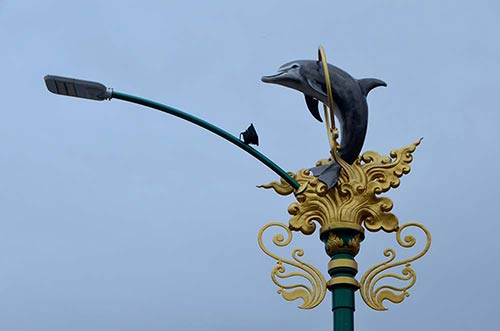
116	217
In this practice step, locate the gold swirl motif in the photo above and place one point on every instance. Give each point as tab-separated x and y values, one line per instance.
373	295
311	295
354	198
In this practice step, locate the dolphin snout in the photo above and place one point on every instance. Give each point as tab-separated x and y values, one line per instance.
272	78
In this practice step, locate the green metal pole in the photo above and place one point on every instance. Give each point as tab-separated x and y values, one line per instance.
343	306
212	128
342	244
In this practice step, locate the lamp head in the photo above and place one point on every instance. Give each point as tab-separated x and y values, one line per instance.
77	88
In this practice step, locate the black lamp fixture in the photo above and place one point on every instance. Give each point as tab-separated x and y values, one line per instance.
250	136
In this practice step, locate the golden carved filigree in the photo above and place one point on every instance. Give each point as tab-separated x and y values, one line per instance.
372	293
353	199
311	295
334	243
354	243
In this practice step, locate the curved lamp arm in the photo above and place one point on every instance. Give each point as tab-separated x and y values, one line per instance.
97	91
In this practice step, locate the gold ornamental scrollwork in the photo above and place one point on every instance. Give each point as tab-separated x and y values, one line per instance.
352	206
374	294
354	198
314	292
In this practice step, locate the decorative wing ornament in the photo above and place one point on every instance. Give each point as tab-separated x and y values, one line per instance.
312	286
372	292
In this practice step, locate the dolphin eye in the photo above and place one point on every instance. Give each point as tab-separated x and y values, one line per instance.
295	66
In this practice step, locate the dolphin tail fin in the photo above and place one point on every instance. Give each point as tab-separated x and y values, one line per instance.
368	84
328	174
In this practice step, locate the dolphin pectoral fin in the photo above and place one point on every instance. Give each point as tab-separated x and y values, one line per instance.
321	89
368	84
312	105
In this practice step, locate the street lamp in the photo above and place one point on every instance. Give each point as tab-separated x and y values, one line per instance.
97	91
340	194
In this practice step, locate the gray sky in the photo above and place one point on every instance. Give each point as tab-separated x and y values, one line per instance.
115	217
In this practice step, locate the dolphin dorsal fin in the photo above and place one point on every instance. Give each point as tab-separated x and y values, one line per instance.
368	84
312	105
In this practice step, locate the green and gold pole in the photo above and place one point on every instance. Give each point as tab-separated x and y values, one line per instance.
342	244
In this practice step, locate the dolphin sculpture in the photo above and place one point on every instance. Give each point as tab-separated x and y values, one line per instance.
350	107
